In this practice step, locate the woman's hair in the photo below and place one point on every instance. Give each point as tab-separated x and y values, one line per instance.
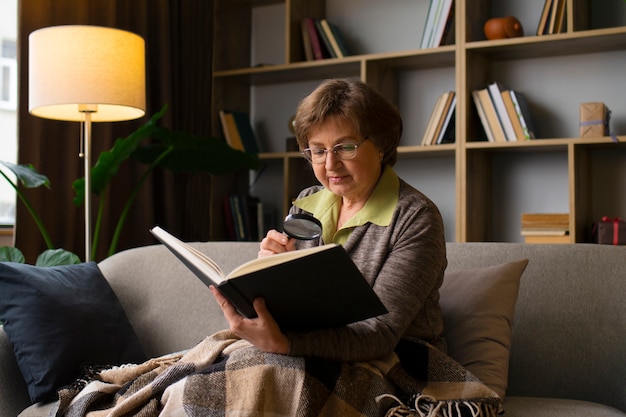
353	104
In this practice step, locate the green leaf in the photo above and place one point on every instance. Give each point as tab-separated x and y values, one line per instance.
109	162
55	257
11	254
27	175
193	153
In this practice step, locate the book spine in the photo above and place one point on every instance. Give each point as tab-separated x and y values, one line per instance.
491	115
525	117
444	133
432	121
246	133
306	41
513	116
482	116
316	42
495	92
325	39
328	33
442	22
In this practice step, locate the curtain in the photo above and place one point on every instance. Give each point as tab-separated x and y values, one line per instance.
178	36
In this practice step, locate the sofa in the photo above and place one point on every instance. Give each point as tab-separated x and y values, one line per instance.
566	352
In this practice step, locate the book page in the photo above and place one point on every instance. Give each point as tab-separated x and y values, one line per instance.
262	263
190	255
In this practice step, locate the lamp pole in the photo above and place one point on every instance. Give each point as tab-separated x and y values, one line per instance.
87	110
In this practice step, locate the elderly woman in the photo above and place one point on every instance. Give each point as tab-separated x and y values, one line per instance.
393	232
382	366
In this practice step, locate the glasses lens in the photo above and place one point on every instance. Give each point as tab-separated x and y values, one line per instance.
345	150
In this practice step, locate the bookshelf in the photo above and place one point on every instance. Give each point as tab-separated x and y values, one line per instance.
481	187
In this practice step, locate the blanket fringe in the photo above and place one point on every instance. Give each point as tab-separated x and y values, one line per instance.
427	406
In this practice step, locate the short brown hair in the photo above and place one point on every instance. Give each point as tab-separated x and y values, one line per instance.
360	106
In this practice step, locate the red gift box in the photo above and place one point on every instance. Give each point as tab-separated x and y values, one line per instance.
610	231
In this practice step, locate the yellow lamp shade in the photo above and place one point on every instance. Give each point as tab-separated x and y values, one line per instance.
73	69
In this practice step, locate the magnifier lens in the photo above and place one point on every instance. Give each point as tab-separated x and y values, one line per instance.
302	227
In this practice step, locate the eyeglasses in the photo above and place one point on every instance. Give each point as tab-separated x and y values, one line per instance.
343	151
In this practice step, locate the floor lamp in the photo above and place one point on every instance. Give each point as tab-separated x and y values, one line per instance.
86	74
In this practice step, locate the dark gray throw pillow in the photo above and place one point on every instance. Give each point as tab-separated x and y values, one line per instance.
60	318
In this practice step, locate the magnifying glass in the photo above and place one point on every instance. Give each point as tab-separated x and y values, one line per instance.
302	226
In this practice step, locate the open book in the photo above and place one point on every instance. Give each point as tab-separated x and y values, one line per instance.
307	289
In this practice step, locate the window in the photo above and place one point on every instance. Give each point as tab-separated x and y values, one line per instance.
8	109
8	75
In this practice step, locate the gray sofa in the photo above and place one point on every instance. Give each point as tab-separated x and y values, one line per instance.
568	354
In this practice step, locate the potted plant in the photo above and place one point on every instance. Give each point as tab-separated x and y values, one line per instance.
175	150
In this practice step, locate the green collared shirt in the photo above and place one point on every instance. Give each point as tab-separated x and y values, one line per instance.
378	209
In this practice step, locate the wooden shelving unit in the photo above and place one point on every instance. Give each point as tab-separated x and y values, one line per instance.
484	186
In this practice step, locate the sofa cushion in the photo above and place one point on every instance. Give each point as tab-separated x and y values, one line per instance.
478	307
59	318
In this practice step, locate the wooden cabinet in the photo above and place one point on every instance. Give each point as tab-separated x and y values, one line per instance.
481	187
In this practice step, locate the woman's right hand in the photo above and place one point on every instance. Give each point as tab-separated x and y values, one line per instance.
276	242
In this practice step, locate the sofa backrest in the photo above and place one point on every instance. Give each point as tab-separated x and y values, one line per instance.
169	308
569	331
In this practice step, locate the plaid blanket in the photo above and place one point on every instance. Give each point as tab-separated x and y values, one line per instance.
226	376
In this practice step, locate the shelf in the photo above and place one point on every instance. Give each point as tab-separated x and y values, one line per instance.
479	186
582	42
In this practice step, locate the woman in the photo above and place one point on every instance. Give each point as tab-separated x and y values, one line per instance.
393	232
395	236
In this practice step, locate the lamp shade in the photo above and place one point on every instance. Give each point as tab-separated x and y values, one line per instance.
77	68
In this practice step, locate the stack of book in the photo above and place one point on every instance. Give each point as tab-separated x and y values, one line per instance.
545	227
504	114
552	17
322	39
438	29
440	127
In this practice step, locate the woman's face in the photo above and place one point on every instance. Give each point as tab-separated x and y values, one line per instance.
352	179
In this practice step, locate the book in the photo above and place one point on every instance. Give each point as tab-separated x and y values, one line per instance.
495	92
493	123
317	44
520	132
482	116
556	16
438	21
543	20
306	289
434	118
306	42
229	128
546	239
325	39
241	136
447	133
524	114
428	24
333	34
445	113
443	23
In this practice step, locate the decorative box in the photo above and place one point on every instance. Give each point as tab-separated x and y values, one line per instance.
594	120
610	231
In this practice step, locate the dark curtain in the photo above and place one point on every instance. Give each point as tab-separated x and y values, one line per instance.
178	36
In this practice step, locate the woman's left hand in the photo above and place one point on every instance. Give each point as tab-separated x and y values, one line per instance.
262	331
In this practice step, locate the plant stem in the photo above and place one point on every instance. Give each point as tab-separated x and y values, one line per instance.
29	207
96	232
132	198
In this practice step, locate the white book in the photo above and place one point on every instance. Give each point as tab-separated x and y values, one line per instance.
495	91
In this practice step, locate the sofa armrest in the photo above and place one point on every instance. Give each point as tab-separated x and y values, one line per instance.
13	392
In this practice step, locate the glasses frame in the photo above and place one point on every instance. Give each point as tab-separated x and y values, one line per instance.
306	152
